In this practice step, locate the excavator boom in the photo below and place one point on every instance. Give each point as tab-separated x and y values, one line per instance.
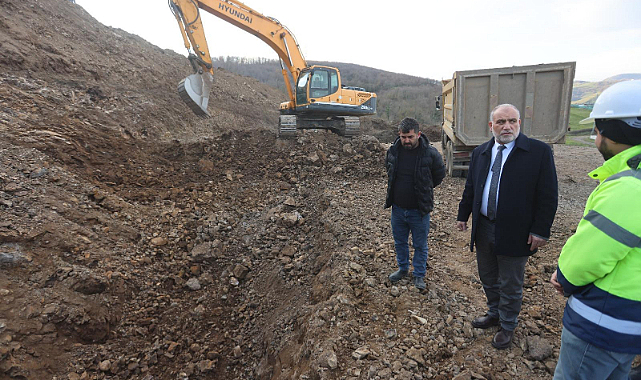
194	90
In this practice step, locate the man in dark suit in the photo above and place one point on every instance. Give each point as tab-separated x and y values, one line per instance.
512	193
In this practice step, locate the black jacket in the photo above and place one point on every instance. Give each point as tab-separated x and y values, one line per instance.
528	194
428	174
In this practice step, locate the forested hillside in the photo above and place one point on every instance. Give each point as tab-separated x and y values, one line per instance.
399	95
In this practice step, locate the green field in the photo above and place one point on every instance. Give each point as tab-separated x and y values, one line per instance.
576	115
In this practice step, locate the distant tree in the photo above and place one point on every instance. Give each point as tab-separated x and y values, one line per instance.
399	95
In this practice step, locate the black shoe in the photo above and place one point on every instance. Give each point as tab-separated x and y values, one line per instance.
419	283
502	339
485	322
397	276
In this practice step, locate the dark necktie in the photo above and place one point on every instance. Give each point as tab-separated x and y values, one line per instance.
494	183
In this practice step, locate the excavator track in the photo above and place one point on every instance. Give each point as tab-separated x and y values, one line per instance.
352	126
347	126
287	126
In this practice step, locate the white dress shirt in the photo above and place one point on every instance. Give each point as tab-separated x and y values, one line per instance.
486	189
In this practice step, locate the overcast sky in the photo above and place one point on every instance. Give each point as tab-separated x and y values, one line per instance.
429	39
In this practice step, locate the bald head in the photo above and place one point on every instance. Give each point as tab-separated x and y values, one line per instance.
502	106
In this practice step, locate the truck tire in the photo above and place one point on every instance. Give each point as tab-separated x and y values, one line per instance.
448	157
449	161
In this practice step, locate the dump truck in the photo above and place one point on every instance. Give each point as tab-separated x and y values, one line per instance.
542	93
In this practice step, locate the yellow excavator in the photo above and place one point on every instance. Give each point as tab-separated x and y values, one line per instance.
318	100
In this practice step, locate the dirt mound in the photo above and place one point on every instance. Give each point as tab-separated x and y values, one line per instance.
138	241
111	77
387	132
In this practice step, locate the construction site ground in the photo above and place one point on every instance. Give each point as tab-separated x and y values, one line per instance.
138	241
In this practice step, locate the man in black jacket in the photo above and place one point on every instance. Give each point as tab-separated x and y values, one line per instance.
512	193
414	168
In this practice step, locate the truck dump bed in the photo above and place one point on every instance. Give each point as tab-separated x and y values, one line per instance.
541	92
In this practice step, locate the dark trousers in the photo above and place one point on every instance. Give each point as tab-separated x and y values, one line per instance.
501	276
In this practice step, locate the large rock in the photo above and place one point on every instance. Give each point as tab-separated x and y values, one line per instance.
240	271
193	284
361	353
328	359
538	348
205	251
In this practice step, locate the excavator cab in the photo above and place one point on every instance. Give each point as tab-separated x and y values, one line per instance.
324	82
319	86
316	82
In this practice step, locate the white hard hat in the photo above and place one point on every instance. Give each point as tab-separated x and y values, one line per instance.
620	101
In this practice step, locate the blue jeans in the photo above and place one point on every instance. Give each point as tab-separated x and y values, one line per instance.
580	360
403	222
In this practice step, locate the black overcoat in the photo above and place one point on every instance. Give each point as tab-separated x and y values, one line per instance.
528	194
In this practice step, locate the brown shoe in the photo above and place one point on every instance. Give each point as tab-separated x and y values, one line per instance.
502	339
485	322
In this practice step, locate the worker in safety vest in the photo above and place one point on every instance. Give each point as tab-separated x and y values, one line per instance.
599	268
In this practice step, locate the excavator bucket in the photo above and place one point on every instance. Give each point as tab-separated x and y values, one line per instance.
194	91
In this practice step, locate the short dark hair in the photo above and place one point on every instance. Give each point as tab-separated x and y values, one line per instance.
408	124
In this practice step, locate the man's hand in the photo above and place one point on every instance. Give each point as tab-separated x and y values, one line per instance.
557	285
461	226
536	242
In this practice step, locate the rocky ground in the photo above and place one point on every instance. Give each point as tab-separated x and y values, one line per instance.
140	242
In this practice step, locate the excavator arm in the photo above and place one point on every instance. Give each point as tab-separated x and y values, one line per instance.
195	89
